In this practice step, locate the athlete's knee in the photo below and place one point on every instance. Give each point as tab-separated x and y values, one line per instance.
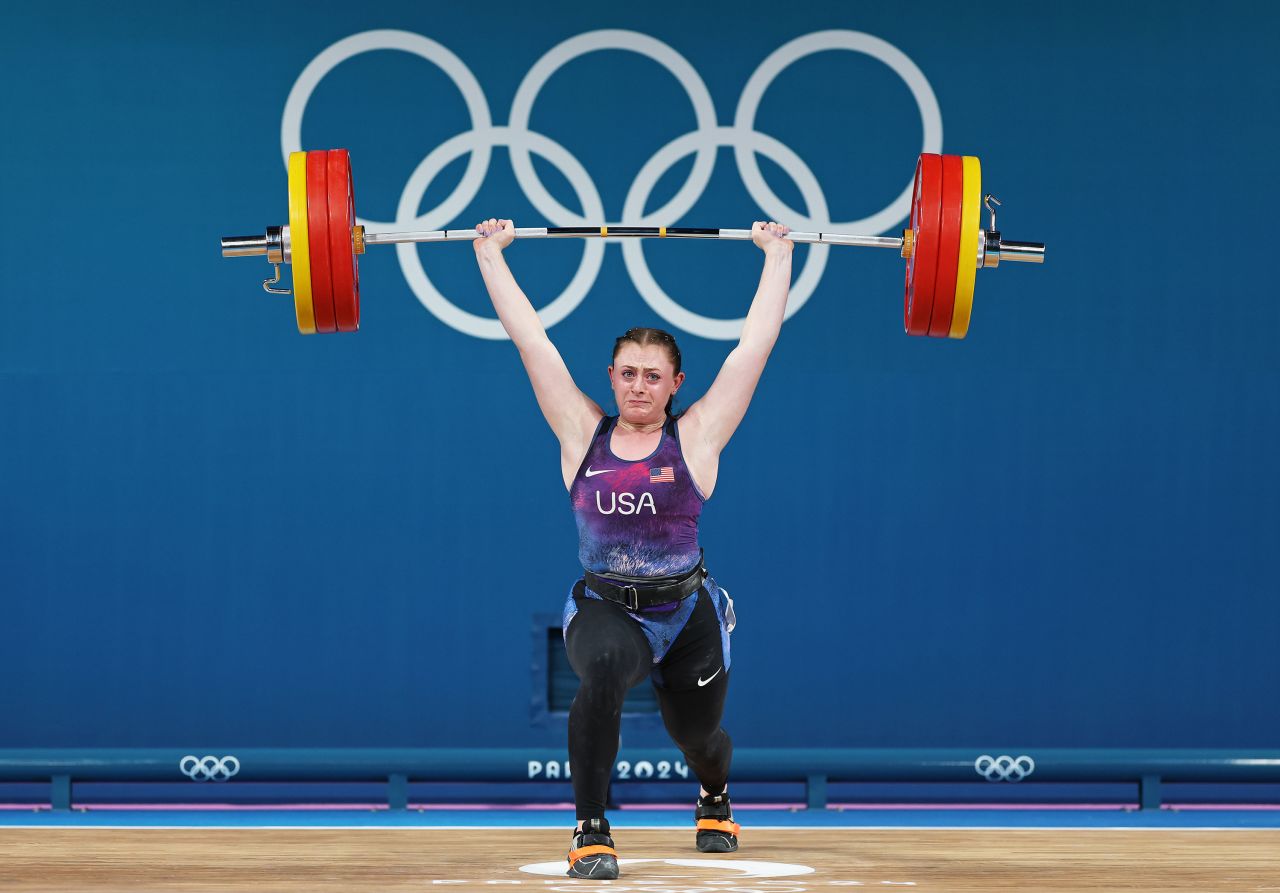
604	682
701	741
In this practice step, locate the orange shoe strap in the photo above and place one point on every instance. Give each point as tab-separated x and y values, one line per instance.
598	849
716	825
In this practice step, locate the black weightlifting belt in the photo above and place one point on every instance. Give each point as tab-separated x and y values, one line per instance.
636	593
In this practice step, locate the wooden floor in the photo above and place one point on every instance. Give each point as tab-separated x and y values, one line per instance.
194	860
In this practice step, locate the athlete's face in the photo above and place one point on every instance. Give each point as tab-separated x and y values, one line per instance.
643	379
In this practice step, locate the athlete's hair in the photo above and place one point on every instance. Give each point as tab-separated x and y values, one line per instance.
644	337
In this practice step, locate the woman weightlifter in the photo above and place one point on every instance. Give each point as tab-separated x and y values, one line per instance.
646	605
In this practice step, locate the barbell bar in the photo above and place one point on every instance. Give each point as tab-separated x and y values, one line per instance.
322	241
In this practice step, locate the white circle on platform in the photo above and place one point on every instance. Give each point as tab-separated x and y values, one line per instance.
736	868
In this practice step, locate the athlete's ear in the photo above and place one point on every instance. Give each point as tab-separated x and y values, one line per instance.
609	371
679	380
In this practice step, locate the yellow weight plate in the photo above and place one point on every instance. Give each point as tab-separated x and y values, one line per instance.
970	220
299	246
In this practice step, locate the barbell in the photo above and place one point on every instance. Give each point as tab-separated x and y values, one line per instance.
944	244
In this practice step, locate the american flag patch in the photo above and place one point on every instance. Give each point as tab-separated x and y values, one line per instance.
664	475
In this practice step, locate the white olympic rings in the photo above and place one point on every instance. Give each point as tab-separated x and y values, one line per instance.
1004	767
208	768
702	142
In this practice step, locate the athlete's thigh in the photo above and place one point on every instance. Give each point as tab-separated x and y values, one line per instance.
696	657
601	637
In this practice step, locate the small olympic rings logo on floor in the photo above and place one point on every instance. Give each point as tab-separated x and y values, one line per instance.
702	143
208	768
1004	767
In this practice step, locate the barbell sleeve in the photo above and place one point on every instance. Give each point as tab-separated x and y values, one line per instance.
1024	252
243	246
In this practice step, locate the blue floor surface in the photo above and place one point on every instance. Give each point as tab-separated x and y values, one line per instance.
551	818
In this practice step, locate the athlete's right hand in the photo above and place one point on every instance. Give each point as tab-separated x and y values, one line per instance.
498	233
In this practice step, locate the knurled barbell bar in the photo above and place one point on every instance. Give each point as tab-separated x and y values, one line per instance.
322	241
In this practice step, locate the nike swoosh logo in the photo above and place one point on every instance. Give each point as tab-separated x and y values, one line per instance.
589	473
702	682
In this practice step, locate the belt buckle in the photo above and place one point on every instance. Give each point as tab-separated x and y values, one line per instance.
633	598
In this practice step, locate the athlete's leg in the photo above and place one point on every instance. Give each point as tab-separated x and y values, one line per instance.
608	651
691	684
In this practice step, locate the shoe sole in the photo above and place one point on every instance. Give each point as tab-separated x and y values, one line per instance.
596	868
717	844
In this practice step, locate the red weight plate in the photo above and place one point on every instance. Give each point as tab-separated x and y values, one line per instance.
342	218
944	287
922	266
318	235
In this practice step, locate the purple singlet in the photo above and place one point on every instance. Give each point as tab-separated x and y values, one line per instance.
636	518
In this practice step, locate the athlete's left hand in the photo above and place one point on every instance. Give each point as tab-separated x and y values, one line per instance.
771	236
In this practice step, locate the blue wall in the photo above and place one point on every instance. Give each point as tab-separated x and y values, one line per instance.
1061	531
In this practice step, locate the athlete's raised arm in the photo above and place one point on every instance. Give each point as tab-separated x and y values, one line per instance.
711	421
571	414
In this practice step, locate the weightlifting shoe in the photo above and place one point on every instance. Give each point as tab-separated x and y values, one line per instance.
717	831
592	855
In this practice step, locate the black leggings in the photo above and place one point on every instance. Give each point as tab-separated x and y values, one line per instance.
609	652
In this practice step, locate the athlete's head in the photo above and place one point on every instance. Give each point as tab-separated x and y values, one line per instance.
645	374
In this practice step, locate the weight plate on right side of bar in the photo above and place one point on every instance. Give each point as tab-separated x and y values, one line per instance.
342	220
926	223
299	253
970	223
944	289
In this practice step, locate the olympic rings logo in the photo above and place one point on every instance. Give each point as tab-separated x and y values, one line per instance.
208	768
1004	768
702	143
